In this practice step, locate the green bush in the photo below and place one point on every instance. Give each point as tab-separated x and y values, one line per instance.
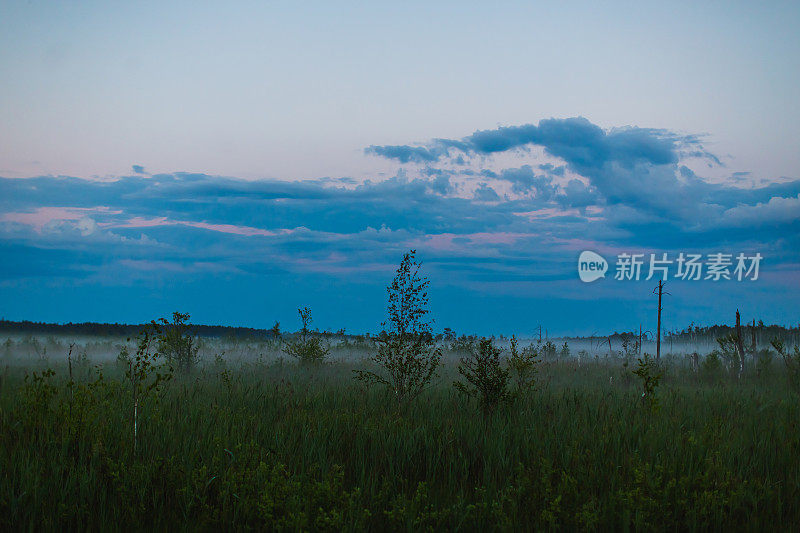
763	363
175	343
650	375
308	349
523	366
488	380
711	366
549	351
791	361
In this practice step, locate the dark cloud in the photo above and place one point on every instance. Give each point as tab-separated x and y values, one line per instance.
576	194
635	167
576	140
552	169
404	154
524	180
441	184
484	193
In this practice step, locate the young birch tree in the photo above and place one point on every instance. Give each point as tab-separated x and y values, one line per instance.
407	355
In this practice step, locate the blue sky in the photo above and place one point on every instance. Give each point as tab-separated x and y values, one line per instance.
237	162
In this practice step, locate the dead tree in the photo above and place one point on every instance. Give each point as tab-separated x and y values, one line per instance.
660	290
639	350
739	344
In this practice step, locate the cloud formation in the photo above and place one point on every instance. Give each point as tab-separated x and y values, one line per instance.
481	227
641	168
575	140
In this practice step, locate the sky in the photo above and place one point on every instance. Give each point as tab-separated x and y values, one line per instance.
237	162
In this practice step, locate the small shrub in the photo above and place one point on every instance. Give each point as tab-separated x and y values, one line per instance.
729	352
463	344
176	344
564	352
146	373
763	363
124	356
82	364
711	365
630	346
650	375
792	362
484	372
523	366
549	351
308	349
37	396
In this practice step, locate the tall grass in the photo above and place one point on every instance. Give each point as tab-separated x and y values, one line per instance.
279	446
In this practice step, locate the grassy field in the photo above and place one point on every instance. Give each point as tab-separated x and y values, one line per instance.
269	444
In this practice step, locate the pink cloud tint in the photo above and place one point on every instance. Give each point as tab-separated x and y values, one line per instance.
445	241
43	215
141	222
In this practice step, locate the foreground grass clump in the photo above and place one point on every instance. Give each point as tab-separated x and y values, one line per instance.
276	446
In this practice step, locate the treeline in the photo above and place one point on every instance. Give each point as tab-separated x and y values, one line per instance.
715	331
122	330
762	333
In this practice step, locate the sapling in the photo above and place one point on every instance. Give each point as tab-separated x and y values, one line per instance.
308	349
549	351
729	351
488	380
145	373
71	383
564	352
523	366
649	373
176	344
407	353
792	362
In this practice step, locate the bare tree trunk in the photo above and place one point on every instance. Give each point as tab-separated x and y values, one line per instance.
640	341
71	382
658	327
135	425
134	387
739	344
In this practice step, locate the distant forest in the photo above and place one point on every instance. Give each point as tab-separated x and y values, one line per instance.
762	332
121	330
